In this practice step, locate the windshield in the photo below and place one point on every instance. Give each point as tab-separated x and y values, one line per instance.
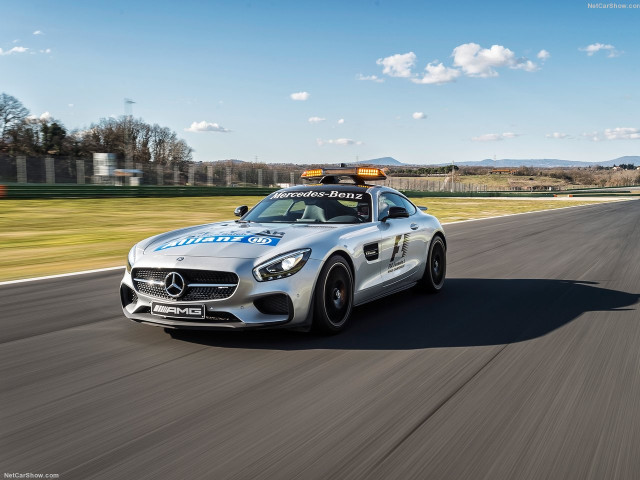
313	206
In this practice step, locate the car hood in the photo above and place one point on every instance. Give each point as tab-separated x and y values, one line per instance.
234	240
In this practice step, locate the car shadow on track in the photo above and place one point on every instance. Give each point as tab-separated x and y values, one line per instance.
468	312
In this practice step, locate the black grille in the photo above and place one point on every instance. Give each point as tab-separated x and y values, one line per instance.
127	295
220	317
277	304
192	294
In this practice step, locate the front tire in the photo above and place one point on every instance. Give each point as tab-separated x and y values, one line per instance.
333	297
436	268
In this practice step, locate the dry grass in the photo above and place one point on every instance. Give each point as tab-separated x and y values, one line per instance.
500	181
45	237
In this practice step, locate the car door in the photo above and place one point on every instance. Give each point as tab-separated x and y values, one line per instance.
402	246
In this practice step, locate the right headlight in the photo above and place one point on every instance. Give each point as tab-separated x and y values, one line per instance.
131	258
282	266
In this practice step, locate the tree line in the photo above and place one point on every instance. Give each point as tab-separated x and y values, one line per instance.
25	134
420	171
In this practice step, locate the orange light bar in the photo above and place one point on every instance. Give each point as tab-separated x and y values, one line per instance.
370	172
315	172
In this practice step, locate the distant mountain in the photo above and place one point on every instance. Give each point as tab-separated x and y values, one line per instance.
384	162
531	162
545	162
509	162
230	160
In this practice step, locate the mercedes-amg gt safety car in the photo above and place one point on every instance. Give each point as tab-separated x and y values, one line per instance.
301	258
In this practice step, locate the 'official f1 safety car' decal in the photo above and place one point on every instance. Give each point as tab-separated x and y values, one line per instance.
400	247
251	239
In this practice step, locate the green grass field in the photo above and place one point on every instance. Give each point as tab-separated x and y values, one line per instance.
45	237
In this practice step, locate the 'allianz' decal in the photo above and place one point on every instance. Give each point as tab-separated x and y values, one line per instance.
251	239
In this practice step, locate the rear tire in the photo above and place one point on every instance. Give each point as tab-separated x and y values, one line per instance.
436	268
333	297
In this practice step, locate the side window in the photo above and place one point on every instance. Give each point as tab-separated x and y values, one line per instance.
297	207
408	205
277	208
387	200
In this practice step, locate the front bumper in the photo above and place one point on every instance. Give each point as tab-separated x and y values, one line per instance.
238	311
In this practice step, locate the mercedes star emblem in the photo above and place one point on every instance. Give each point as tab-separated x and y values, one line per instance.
174	284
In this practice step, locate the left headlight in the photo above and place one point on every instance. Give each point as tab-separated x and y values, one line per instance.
282	266
131	258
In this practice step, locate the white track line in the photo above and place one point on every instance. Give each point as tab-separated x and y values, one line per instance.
539	211
84	272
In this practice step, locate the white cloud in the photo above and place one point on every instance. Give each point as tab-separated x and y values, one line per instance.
13	50
300	96
70	105
543	55
437	74
371	78
494	137
398	65
526	65
38	32
418	116
469	59
44	117
593	136
557	135
618	133
205	126
46	50
596	47
622	133
341	121
476	61
316	119
338	141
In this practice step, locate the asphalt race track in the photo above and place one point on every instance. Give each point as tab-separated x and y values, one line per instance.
527	366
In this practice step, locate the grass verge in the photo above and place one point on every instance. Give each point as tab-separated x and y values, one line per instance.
47	237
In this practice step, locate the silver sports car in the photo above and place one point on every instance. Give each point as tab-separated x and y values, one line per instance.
301	258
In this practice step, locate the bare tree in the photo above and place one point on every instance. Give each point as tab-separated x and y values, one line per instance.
12	113
148	143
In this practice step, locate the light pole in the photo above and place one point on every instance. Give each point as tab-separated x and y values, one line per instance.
452	177
128	154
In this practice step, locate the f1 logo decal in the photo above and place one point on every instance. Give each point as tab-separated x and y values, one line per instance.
400	244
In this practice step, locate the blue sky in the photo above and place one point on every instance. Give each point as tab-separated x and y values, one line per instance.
221	74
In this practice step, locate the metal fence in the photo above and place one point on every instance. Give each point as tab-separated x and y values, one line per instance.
68	171
426	184
55	170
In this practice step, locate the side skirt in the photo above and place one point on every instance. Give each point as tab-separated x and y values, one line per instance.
388	291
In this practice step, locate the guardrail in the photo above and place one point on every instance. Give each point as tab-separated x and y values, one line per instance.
420	194
39	191
110	191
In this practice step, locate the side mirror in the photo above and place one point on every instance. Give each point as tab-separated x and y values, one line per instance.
241	210
396	212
